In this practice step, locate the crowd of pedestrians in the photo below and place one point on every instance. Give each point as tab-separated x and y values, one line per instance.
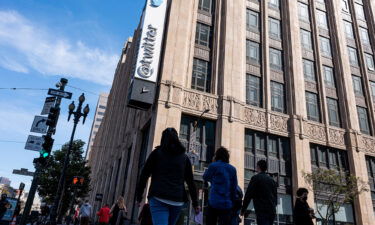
171	173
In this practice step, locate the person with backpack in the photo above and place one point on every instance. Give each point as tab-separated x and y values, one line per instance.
262	190
85	213
169	169
223	180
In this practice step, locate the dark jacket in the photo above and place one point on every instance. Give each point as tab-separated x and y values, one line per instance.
223	179
3	207
169	171
301	213
263	191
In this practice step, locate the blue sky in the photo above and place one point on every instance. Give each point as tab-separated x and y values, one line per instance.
42	41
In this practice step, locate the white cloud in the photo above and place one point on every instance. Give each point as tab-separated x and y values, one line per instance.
28	46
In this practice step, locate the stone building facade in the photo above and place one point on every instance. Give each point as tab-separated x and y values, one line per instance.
291	81
98	118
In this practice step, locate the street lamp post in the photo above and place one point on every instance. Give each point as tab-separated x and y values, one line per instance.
77	115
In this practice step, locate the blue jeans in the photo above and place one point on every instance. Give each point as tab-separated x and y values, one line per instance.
265	219
164	214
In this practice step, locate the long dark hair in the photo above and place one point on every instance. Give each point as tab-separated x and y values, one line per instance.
170	142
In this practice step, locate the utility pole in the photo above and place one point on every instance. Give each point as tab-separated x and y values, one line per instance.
41	162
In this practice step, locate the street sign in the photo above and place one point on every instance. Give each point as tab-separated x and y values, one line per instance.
48	104
34	143
24	172
39	125
59	93
99	197
194	158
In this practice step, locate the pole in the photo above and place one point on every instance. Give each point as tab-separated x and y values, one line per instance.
62	176
38	168
61	186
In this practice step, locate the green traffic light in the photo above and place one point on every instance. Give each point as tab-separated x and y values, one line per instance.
44	153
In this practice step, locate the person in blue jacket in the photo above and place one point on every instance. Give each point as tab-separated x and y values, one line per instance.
223	179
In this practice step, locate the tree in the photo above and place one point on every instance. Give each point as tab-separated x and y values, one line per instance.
335	189
50	176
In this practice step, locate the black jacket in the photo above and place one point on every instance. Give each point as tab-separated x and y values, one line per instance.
301	213
169	171
263	191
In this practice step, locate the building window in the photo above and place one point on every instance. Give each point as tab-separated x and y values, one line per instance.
345	5
99	119
357	85
203	141
369	62
252	52
276	61
325	46
312	106
252	21
370	162
274	3
253	90
333	112
101	113
322	19
329	78
348	29
353	57
372	85
306	39
203	35
97	126
274	28
363	120
331	158
277	97
359	11
201	80
308	70
102	107
205	5
363	33
303	12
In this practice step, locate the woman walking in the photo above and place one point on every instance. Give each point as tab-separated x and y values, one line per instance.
223	179
169	168
118	212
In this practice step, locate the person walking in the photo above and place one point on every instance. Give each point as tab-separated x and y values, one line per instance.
223	180
118	212
85	213
262	190
302	213
104	214
169	169
236	211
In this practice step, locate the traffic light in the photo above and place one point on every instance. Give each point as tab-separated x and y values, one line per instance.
46	146
41	161
53	116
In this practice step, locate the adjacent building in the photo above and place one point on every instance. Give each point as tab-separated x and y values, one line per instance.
289	81
5	181
98	118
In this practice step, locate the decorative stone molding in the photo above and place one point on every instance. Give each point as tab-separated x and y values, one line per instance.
191	100
254	117
367	144
316	132
210	103
336	136
279	123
